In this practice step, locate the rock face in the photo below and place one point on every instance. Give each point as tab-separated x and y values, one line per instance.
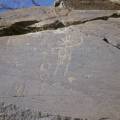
61	65
88	4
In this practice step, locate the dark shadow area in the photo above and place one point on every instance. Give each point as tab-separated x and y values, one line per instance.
24	27
17	28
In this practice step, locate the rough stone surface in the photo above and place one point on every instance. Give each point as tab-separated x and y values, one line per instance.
64	65
88	4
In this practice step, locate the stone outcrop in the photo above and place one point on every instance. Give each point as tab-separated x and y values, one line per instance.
88	4
60	65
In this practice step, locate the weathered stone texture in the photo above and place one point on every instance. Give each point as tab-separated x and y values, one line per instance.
67	65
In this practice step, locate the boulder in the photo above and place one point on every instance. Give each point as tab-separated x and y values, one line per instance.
62	65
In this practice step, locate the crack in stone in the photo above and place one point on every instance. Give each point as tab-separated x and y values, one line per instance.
23	27
108	42
17	28
114	15
105	118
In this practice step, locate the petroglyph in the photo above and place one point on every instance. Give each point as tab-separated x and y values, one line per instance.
65	52
44	74
19	89
71	79
44	67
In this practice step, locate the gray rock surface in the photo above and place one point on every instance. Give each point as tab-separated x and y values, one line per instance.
66	65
